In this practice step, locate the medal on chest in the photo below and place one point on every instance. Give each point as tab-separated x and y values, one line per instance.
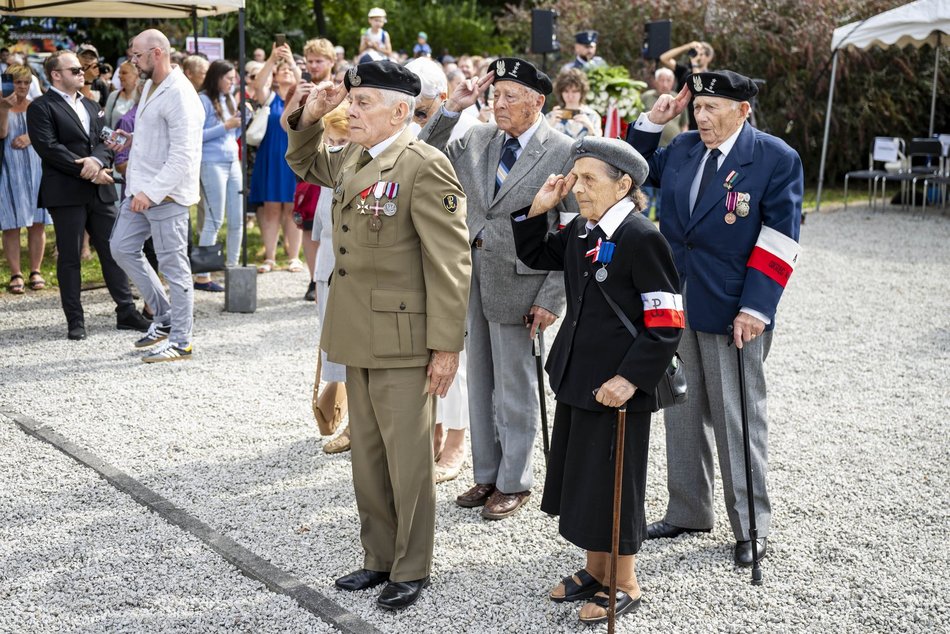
375	222
362	206
603	253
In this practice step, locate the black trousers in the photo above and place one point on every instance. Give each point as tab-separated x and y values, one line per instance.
97	218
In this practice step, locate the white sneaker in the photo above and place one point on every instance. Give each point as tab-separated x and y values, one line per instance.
155	334
169	352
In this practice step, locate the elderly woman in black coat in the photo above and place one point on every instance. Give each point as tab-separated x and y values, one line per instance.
596	364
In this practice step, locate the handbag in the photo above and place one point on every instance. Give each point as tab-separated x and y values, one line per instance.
205	259
258	126
671	390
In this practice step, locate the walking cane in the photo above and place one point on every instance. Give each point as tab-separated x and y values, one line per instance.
615	534
537	348
747	449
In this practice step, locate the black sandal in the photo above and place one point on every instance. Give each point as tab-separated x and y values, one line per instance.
573	591
625	603
15	286
37	283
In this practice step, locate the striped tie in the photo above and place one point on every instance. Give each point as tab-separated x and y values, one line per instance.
508	158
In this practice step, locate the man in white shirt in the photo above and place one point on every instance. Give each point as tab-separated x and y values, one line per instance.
161	184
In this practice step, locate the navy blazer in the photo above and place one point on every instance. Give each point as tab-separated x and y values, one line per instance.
592	344
726	266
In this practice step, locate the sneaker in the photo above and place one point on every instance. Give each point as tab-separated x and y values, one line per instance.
311	294
169	352
155	334
211	287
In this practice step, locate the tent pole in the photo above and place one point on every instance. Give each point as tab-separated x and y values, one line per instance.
194	26
242	56
933	94
824	144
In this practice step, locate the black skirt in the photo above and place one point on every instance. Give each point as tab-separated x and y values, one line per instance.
579	484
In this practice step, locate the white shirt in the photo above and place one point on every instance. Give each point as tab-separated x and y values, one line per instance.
166	150
75	102
525	137
380	147
612	218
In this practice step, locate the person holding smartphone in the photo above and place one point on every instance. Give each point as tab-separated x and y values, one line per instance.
700	54
572	116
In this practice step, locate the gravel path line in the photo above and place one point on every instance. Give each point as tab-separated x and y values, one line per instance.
244	560
859	469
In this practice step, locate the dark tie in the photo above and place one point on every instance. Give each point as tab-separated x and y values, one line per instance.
508	158
365	158
709	172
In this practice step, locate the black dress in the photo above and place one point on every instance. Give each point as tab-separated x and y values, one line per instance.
591	347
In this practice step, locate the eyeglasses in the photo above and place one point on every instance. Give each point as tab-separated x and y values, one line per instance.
134	56
421	114
75	70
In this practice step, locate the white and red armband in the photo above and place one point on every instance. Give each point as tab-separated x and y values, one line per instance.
663	310
564	219
775	255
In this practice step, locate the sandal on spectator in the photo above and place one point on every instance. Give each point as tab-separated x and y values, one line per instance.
266	266
295	266
596	610
581	585
15	285
37	283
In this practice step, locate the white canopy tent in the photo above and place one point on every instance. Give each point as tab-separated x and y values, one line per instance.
915	24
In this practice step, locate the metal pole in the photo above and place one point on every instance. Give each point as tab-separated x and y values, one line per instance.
933	94
194	26
242	56
824	145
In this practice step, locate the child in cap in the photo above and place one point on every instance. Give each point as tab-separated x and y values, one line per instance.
375	38
422	48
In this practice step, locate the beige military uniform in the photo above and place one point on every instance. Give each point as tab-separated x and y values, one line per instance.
397	293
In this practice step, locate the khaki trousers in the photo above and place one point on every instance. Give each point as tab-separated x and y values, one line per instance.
392	418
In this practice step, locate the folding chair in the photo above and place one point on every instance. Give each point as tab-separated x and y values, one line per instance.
940	181
923	160
884	150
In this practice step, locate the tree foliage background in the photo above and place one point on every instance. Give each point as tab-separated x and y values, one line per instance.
785	42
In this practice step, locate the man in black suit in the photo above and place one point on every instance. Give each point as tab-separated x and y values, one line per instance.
77	188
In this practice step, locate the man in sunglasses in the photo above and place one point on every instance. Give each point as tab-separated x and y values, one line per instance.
94	87
77	189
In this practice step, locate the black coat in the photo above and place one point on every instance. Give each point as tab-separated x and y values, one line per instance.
58	137
593	345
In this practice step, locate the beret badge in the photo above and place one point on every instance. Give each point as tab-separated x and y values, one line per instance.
354	77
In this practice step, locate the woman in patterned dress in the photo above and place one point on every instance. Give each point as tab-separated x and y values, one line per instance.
20	185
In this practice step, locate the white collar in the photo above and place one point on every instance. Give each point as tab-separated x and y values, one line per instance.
74	99
380	147
612	218
525	137
729	143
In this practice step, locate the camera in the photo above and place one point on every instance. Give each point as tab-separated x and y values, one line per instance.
693	52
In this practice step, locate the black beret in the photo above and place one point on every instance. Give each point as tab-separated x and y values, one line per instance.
384	75
586	37
521	71
614	152
722	83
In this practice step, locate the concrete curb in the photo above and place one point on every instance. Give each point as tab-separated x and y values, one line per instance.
249	564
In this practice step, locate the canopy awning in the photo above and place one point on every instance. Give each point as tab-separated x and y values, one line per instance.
915	24
117	8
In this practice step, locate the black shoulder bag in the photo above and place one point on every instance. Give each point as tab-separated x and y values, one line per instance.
671	390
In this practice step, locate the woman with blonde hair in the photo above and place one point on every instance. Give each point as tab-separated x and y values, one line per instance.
20	185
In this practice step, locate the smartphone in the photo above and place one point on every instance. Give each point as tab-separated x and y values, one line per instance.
7	81
305	76
280	39
568	114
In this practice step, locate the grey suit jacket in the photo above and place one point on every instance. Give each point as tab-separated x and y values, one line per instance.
508	287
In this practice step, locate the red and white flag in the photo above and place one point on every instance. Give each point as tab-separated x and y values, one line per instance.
663	310
775	254
612	122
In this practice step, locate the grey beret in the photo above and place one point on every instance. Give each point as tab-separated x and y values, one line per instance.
614	152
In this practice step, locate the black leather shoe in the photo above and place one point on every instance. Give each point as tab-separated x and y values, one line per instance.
401	594
76	333
361	579
662	530
743	552
131	319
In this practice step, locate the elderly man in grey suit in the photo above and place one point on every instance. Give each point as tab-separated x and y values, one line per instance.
501	168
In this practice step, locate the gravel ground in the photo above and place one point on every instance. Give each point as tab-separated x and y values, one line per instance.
859	471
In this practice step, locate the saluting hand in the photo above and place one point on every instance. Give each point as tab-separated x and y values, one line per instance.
467	92
553	191
668	107
322	99
615	392
441	371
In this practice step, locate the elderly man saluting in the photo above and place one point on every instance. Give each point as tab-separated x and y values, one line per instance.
396	312
732	201
502	167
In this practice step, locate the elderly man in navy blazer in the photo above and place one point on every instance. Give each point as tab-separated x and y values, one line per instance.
734	196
